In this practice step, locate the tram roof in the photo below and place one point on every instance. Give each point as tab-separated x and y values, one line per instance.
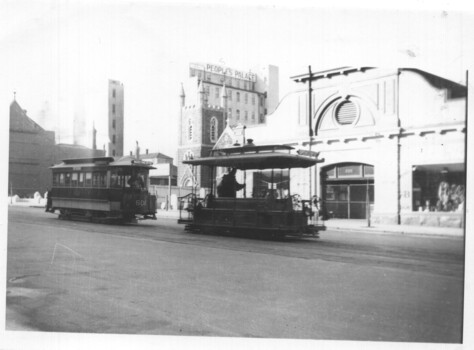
256	160
102	161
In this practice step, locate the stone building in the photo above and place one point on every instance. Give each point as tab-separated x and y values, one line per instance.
393	141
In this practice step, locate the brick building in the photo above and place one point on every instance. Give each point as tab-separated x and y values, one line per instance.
32	150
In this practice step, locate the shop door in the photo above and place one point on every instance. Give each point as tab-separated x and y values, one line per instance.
349	200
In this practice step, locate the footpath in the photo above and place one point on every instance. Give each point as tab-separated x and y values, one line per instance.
345	225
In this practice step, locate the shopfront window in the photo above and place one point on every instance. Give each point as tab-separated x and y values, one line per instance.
439	188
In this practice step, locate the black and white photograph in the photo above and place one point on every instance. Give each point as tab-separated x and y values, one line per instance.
211	175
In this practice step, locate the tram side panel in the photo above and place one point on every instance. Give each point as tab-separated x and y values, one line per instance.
102	201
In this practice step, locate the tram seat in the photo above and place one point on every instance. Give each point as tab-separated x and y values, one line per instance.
249	204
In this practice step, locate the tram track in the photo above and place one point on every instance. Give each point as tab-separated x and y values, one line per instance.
405	258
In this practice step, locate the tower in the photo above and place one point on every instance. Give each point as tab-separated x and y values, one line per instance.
201	124
116	118
214	97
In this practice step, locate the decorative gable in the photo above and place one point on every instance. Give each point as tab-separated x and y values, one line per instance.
227	138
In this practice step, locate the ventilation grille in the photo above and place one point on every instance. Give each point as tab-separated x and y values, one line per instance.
346	113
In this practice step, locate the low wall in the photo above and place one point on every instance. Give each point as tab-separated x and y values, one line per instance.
436	219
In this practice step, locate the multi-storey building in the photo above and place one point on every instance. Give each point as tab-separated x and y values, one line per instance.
116	119
251	95
214	97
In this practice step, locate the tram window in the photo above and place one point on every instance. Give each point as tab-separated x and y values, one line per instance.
102	180
88	179
81	180
95	179
114	180
67	179
55	179
74	179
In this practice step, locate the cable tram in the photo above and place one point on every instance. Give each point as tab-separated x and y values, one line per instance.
102	189
271	211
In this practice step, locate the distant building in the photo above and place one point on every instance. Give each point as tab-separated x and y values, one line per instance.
165	171
251	95
116	118
211	99
32	151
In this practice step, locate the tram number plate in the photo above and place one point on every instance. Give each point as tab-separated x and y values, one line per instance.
140	202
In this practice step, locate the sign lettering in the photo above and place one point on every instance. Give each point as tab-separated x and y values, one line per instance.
233	73
140	202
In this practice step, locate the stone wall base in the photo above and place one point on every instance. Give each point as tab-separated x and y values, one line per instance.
384	219
433	219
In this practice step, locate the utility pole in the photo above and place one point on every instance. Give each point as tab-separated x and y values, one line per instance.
310	115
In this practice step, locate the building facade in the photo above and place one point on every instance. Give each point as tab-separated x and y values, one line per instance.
32	151
214	97
250	95
116	118
393	143
165	173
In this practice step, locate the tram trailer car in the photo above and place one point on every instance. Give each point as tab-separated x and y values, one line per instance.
102	189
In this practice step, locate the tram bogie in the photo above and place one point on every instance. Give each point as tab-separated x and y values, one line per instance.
102	189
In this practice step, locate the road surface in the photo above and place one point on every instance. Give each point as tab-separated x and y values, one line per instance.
154	278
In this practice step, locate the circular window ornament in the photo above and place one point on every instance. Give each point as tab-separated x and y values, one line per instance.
346	112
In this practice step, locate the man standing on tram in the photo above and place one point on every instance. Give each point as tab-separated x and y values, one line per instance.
229	185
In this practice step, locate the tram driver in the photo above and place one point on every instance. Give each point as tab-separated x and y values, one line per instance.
229	185
136	181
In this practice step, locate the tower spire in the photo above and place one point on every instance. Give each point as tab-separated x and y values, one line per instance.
182	96
202	93
224	104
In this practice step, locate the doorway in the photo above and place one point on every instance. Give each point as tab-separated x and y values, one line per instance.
347	190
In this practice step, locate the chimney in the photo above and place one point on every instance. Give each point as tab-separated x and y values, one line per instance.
137	151
94	137
147	151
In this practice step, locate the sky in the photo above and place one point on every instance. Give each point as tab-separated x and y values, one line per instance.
58	55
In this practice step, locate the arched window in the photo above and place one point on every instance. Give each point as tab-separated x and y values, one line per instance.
188	182
190	130
238	96
346	112
237	112
213	129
